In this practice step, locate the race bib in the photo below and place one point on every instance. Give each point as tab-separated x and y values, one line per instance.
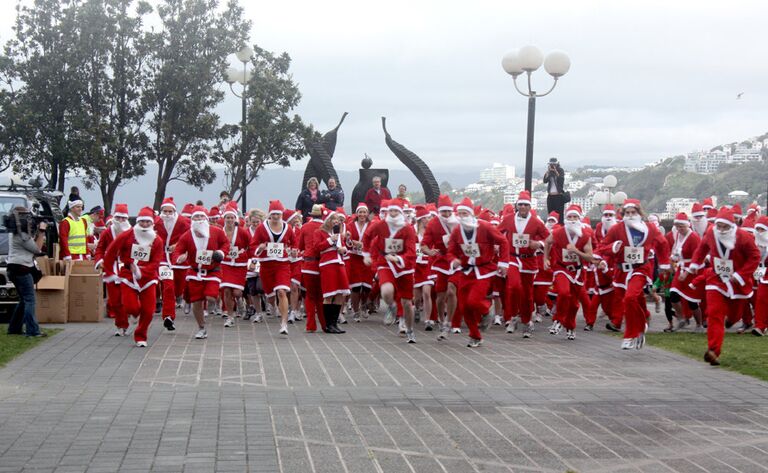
140	252
634	255
275	250
759	273
204	257
445	240
471	250
724	267
393	246
521	240
419	254
570	257
234	252
166	273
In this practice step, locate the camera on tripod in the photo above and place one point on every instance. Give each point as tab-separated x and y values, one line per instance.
17	222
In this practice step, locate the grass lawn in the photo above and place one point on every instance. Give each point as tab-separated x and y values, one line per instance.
12	346
745	354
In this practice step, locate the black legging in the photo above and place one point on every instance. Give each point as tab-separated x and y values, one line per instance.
556	202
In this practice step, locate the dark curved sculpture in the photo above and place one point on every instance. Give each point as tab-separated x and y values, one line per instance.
365	180
418	167
320	153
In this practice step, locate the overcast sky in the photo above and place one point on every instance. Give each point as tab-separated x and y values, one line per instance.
648	79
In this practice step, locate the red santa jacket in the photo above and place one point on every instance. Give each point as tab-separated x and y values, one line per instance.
631	260
565	262
682	248
106	237
740	262
477	252
129	251
356	232
278	247
384	241
200	260
436	237
180	227
306	245
519	232
327	248
239	248
373	199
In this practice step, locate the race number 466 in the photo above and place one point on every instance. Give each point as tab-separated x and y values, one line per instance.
204	257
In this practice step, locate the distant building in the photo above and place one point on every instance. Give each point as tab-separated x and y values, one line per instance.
497	174
676	205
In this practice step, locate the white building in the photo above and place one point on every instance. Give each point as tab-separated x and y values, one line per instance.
498	174
676	205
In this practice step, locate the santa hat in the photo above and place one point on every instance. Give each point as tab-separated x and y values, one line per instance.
698	210
573	209
524	198
187	210
485	214
384	205
361	205
737	211
275	207
631	203
711	213
121	210
421	212
432	209
478	209
396	204
199	210
762	223
231	209
725	215
444	203
508	209
214	212
466	204
753	207
707	203
168	202
609	209
146	214
327	213
288	214
554	215
681	219
586	221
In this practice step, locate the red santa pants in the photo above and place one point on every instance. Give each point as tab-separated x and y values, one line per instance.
313	301
473	296
632	301
114	306
761	306
597	300
172	289
519	298
584	301
141	305
541	295
719	308
567	300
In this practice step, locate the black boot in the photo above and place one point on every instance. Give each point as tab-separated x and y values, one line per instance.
330	321
336	312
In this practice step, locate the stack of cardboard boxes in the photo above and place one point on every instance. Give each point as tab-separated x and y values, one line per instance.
69	291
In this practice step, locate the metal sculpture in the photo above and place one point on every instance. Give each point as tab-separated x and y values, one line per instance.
414	164
320	153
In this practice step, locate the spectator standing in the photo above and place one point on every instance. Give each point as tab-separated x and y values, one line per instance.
333	197
554	178
375	195
309	197
24	245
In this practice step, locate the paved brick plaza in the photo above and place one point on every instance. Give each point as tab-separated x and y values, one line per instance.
245	400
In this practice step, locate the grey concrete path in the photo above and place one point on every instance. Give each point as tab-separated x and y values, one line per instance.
247	400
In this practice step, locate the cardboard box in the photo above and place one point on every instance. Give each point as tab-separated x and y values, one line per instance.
86	302
52	300
81	267
45	265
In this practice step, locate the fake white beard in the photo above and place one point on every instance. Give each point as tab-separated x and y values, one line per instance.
761	239
574	227
550	225
396	222
727	239
608	222
169	220
120	227
449	222
144	236
468	222
636	222
700	226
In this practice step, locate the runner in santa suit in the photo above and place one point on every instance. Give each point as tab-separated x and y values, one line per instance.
683	242
329	245
294	219
203	247
170	227
423	281
472	252
602	279
272	244
526	234
699	221
310	270
234	267
435	245
542	282
76	246
633	245
140	252
360	276
393	243
566	251
115	226
735	258
760	300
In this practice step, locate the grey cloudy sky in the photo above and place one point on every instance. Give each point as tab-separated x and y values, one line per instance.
648	79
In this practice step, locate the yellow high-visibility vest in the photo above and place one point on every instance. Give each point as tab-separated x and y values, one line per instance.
77	236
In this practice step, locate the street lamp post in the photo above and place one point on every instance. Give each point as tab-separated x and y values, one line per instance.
233	75
528	59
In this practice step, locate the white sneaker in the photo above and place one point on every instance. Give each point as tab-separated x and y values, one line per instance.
201	334
555	328
537	318
291	317
121	332
474	343
443	332
342	319
570	335
429	325
528	330
455	330
141	344
283	330
389	317
205	312
640	341
187	308
512	325
410	336
628	344
229	322
298	315
497	320
401	326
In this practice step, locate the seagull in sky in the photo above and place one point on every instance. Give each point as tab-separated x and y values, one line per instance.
738	96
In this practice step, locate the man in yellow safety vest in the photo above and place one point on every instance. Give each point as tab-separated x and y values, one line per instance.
73	234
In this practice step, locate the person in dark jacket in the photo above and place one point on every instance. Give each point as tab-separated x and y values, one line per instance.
554	178
309	197
333	197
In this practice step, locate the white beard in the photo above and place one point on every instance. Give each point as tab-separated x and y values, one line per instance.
169	221
700	226
144	236
396	222
608	222
761	239
120	227
728	240
449	222
200	232
550	225
574	227
468	223
637	224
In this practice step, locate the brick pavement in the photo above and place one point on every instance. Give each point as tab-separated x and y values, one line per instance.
247	400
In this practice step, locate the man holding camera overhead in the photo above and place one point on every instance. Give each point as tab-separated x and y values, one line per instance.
25	243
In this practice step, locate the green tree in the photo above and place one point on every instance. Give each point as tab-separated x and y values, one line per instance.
186	57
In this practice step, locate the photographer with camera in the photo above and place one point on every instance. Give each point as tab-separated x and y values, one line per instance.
25	243
554	178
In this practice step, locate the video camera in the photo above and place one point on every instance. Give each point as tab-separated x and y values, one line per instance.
17	222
